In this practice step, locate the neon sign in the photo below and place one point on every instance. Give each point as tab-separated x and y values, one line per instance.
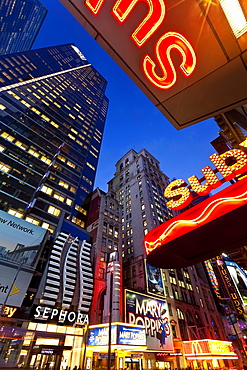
233	293
207	347
161	73
179	194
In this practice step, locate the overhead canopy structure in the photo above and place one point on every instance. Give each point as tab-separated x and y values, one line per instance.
189	57
216	225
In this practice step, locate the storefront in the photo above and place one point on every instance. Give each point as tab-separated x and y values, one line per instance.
128	342
210	354
128	349
38	346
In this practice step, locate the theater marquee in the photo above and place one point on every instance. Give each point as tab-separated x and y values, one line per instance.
186	56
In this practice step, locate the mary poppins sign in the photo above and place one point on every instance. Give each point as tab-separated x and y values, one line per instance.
185	55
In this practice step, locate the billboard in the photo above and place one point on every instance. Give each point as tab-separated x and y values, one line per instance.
239	278
145	310
183	55
154	280
120	334
20	245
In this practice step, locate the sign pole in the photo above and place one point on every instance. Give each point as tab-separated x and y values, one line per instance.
111	270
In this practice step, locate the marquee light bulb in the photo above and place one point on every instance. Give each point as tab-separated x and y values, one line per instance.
235	16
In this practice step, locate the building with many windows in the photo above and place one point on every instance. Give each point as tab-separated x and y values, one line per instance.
189	314
20	23
53	109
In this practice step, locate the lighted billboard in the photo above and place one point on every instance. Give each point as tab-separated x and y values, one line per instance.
184	55
153	314
154	280
239	278
120	334
20	245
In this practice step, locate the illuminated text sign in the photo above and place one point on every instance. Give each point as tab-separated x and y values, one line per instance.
208	347
180	196
59	315
182	54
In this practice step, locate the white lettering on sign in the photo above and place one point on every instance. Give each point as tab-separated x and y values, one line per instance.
47	313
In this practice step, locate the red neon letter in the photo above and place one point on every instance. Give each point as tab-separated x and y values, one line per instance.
94	5
154	18
164	46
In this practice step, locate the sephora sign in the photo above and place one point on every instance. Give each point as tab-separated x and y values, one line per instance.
184	55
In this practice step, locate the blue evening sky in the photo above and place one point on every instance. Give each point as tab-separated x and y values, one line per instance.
133	122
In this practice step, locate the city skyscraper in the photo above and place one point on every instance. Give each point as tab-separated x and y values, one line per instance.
20	23
53	111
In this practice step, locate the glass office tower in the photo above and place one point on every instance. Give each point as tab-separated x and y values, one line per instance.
53	109
20	23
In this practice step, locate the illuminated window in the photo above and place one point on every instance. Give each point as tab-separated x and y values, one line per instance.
15	213
80	209
32	220
20	144
45	159
71	164
7	136
2	148
69	201
2	107
91	166
46	189
63	184
53	211
47	226
78	222
59	196
72	189
4	167
33	152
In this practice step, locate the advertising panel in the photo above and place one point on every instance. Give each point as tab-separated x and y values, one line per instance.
239	278
99	336
184	55
154	280
120	334
20	244
153	314
131	336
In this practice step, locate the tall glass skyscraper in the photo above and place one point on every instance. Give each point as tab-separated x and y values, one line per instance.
53	109
20	23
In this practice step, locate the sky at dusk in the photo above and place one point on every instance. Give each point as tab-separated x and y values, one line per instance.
133	122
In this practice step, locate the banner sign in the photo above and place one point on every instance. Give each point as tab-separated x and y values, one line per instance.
153	314
20	245
154	280
120	334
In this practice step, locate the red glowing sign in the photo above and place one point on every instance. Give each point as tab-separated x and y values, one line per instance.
201	348
180	196
167	43
182	54
211	227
